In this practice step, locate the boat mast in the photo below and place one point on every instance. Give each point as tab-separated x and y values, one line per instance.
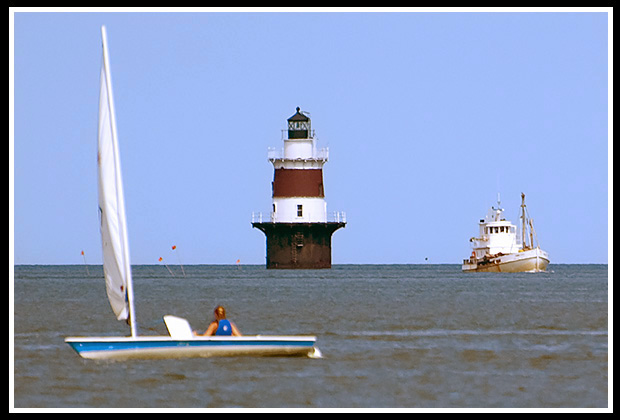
523	224
120	197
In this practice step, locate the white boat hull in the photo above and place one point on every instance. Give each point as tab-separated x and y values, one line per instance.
162	347
533	260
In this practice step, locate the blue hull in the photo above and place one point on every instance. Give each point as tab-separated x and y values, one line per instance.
166	347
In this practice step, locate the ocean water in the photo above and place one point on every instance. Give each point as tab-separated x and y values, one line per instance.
404	336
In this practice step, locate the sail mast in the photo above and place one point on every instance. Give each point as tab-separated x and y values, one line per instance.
119	190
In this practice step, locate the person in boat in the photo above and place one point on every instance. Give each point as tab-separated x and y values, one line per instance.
220	325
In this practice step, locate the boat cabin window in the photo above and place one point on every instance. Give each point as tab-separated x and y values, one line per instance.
498	229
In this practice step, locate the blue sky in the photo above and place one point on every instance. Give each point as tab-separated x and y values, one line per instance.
427	116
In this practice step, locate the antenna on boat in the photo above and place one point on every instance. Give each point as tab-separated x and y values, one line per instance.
499	202
497	209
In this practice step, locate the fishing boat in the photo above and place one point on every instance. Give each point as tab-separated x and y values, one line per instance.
496	248
181	342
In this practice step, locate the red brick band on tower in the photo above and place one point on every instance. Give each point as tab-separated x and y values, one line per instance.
298	183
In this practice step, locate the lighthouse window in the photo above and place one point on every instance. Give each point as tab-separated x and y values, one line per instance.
297	125
300	211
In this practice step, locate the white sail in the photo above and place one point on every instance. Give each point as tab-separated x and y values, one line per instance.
116	265
181	342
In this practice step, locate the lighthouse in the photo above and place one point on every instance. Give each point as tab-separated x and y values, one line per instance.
299	229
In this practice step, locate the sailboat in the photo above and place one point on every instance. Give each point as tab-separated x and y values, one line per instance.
181	342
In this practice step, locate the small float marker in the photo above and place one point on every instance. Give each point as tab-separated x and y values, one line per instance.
85	265
161	260
174	247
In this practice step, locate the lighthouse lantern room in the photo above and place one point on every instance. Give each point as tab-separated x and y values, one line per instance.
299	126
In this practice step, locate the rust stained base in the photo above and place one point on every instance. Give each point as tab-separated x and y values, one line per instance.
299	245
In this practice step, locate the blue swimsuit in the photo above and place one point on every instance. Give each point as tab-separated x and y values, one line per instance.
224	327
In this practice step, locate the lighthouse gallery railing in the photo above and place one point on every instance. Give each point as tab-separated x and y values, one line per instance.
332	217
